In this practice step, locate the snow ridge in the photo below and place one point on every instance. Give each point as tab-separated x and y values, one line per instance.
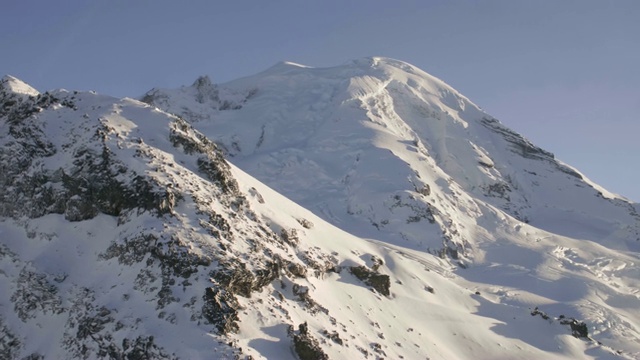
10	84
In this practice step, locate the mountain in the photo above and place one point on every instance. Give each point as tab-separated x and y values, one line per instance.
334	129
418	226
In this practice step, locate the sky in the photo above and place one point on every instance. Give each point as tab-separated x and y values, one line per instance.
562	73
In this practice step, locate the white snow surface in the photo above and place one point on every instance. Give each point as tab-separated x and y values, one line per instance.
375	159
17	86
366	132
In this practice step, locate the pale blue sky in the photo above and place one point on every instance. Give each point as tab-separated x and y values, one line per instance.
563	73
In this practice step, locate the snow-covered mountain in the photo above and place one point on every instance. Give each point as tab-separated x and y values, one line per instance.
379	147
418	226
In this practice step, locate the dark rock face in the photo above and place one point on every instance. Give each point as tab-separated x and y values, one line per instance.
519	144
140	348
499	190
524	147
93	186
290	236
9	343
239	280
379	282
89	333
206	90
211	162
578	328
25	143
34	293
221	304
221	310
172	254
297	270
305	345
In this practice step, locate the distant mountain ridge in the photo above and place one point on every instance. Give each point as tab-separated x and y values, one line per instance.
420	226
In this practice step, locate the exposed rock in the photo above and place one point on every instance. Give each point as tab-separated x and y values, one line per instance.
499	190
542	314
206	90
78	209
140	348
334	336
376	263
525	148
91	325
305	223
237	279
90	187
379	282
297	270
578	328
305	345
519	144
221	310
419	209
171	254
9	343
211	163
290	236
35	293
424	190
302	292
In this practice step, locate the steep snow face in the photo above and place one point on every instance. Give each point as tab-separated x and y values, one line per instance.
12	85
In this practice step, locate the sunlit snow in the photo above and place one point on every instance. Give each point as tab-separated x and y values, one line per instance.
480	232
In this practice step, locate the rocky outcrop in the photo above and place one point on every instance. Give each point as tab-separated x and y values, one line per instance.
35	293
377	281
209	96
305	345
519	144
578	328
86	173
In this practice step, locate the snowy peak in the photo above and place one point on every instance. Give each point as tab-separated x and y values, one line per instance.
205	90
402	76
16	86
401	71
284	67
198	100
378	112
203	82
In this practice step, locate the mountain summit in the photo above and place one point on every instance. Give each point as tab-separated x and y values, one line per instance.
12	85
366	211
384	150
